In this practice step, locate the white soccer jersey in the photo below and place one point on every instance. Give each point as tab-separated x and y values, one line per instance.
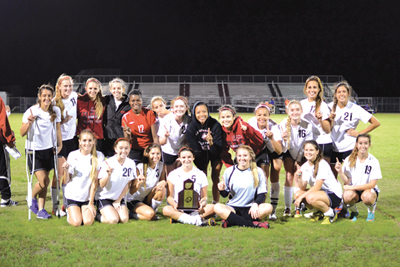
308	116
152	178
347	118
178	176
80	166
330	185
274	128
177	132
298	135
120	177
363	172
241	186
68	129
43	128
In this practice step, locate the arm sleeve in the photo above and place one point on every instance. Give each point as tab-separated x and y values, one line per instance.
224	193
260	198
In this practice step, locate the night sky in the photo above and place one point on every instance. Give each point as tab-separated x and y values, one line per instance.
357	39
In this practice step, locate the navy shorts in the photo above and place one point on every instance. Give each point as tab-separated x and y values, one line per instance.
169	159
243	212
262	158
68	146
340	155
136	155
327	149
334	200
71	202
101	203
44	160
132	204
359	193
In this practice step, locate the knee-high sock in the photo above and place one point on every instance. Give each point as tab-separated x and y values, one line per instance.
274	195
54	197
64	199
288	193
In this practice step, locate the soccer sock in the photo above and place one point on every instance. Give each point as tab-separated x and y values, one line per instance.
329	213
4	201
187	219
54	197
353	208
155	204
371	208
199	221
64	199
214	202
295	190
274	195
288	193
235	219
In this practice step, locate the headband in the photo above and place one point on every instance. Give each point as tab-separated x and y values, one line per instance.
64	78
117	80
262	106
93	80
227	108
181	98
185	148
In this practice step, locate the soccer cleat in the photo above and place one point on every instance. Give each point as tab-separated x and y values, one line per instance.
339	208
34	208
261	225
329	219
273	216
62	213
353	216
297	214
371	217
225	224
208	222
315	217
171	221
9	203
287	212
42	214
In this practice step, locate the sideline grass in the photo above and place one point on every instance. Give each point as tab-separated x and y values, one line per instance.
289	243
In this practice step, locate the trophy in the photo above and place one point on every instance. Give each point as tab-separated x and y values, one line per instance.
188	199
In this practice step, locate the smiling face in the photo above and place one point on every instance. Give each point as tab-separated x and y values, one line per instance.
158	106
155	155
243	158
363	145
66	88
262	116
226	118
122	149
179	108
312	90
86	143
45	98
186	158
201	113
310	152
342	94
136	103
294	111
92	89
117	90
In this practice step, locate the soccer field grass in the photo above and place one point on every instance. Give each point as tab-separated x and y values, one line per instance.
289	242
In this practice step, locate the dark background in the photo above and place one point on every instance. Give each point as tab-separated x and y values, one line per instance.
39	40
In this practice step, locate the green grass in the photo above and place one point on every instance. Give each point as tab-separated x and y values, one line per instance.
288	243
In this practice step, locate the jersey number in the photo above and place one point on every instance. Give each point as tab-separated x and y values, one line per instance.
312	109
141	128
348	116
127	172
302	133
368	169
73	101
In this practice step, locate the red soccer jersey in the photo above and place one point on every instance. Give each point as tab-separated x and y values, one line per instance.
141	135
87	119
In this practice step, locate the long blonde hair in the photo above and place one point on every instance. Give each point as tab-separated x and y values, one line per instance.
93	152
58	97
98	102
320	95
354	154
288	121
253	164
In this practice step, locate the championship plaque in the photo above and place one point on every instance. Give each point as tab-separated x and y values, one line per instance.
188	199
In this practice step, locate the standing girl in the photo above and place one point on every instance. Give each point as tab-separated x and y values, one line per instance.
115	176
360	174
144	199
90	111
246	185
158	105
116	105
204	136
172	132
294	135
325	193
81	171
316	113
272	151
346	116
66	100
38	123
236	132
176	181
139	126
